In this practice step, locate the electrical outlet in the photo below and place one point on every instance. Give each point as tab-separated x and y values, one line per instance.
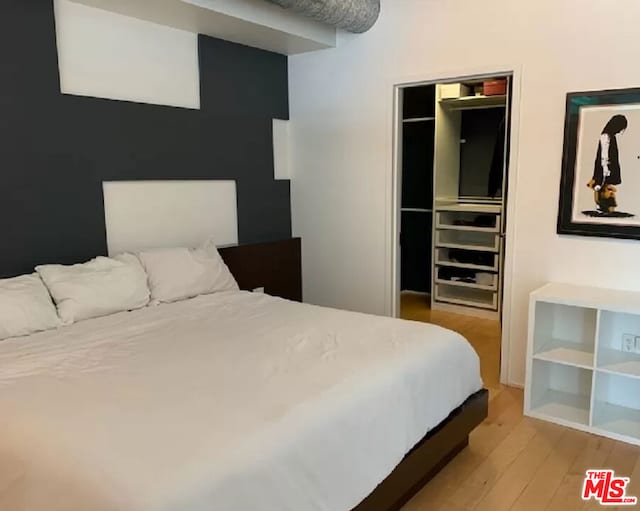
628	343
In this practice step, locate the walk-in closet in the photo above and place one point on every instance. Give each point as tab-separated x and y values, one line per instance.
453	173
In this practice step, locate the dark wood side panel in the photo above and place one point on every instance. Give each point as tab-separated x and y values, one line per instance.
276	266
429	456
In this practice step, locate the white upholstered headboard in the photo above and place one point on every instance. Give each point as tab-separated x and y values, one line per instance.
141	215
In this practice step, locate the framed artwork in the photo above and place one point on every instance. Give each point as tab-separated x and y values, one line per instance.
600	185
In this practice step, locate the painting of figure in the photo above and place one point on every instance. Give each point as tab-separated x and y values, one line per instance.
600	186
607	171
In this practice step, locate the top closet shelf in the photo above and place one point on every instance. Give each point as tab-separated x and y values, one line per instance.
474	102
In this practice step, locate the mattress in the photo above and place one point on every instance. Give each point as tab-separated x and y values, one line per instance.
228	402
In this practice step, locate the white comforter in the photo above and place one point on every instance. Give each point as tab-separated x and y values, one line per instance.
227	402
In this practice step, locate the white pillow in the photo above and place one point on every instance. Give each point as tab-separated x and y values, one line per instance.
99	287
179	273
25	307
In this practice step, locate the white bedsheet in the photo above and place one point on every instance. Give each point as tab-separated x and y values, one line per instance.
228	402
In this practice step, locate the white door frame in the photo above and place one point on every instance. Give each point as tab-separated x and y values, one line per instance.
393	241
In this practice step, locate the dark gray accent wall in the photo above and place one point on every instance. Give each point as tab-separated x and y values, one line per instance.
56	150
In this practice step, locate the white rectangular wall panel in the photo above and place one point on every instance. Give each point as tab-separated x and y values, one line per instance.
142	215
281	149
107	55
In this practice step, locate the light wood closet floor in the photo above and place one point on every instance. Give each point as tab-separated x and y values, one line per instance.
514	463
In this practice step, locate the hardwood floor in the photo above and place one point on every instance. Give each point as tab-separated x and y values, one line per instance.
514	463
482	334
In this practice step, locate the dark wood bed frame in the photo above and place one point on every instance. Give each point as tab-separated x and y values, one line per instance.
429	456
276	266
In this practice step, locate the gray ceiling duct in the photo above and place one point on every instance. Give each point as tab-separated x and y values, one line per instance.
353	15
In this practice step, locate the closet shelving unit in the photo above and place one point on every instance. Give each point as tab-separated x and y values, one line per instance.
578	372
467	227
450	235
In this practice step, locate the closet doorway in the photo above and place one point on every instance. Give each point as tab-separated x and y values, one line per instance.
452	158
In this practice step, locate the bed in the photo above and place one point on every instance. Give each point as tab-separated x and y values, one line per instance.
233	401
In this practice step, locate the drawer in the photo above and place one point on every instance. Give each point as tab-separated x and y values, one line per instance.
470	259
468	240
468	221
463	277
467	296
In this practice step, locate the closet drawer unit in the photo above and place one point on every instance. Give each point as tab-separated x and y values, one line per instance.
468	221
470	259
468	240
467	278
467	296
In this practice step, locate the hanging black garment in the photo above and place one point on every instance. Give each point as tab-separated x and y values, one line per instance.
615	178
496	173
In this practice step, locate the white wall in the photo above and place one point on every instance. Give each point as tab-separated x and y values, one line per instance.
107	55
341	103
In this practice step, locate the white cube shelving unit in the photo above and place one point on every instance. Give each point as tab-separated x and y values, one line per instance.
578	374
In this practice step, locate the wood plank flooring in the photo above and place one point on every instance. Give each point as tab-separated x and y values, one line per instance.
483	334
514	463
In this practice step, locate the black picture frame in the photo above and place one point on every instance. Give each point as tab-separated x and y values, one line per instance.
567	224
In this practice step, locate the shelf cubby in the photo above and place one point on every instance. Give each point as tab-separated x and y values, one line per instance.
611	357
419	102
417	154
616	405
561	392
564	334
